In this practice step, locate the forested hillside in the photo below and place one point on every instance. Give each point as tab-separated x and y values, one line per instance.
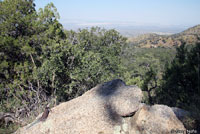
41	63
190	36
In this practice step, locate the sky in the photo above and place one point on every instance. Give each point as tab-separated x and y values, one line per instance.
126	12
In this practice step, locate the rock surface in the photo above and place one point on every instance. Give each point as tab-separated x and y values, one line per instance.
96	112
156	119
107	108
180	113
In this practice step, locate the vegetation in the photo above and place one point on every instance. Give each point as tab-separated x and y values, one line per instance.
190	36
41	63
180	85
144	67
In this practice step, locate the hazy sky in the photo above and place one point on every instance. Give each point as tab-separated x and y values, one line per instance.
155	12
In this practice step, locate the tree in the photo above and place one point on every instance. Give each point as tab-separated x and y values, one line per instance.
40	62
137	62
24	35
180	85
80	62
150	84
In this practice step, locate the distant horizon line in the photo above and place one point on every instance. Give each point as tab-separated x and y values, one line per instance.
81	22
127	29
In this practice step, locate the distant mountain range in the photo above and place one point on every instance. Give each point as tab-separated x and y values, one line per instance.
190	36
126	28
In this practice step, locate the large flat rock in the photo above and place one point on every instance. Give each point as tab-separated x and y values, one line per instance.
109	108
98	111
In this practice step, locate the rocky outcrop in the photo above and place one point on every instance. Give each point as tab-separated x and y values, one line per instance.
156	119
108	108
180	113
190	120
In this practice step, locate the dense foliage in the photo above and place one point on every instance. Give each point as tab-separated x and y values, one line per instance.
138	61
144	67
24	35
41	63
181	80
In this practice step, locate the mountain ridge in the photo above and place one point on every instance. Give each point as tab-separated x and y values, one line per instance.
153	40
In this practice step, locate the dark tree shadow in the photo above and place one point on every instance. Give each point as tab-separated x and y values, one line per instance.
106	91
